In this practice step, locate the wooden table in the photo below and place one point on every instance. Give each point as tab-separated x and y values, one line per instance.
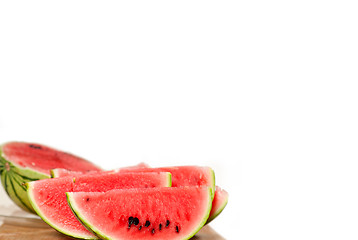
18	228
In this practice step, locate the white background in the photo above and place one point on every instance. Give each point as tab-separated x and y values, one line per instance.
264	92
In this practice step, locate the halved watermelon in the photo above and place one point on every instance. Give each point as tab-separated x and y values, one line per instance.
219	203
158	213
23	162
49	200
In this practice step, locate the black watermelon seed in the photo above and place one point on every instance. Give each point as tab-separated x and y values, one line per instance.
147	223
130	222
167	224
160	226
140	227
153	231
177	229
87	199
34	146
135	221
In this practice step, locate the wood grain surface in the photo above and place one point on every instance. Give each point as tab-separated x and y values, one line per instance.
14	228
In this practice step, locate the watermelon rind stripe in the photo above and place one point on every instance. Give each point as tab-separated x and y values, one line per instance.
5	183
9	190
30	189
25	177
15	176
17	195
17	173
2	165
5	179
21	191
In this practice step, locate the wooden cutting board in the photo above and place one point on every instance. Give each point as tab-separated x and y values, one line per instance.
16	228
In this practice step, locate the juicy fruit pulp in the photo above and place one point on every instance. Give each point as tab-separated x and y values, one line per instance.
157	213
49	200
23	162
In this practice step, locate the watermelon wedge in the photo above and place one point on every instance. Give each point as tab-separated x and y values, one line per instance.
22	162
219	203
48	197
184	175
158	213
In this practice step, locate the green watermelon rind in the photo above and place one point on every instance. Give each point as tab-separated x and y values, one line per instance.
212	188
53	173
218	211
209	205
30	189
13	178
97	232
81	218
169	178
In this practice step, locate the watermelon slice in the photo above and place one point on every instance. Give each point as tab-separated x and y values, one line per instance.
157	213
184	175
49	200
219	203
23	162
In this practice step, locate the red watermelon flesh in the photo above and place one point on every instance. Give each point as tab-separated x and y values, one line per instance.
42	158
219	203
49	200
157	213
184	175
